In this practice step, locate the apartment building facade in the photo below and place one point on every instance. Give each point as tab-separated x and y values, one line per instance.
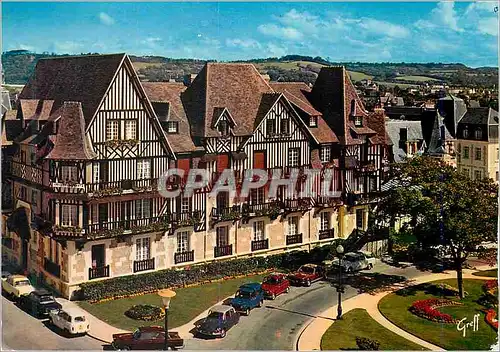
89	143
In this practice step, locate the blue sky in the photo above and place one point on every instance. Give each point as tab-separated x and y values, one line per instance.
465	32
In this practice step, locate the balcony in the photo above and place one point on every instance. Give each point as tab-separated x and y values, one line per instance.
135	226
98	272
325	234
183	257
301	204
143	265
51	267
223	251
271	209
327	201
102	189
226	214
260	245
186	218
293	239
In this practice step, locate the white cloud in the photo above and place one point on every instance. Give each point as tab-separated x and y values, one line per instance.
106	19
287	33
67	47
446	15
436	46
488	26
481	6
276	50
383	28
243	43
302	21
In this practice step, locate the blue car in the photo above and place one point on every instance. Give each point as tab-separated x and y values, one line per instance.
248	297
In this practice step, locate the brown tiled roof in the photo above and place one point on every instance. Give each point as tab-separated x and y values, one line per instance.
376	121
73	78
266	103
35	109
323	133
236	87
161	93
72	143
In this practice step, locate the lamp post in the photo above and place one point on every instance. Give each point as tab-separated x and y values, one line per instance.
340	253
166	295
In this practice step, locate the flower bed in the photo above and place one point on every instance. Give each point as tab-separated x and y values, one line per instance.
444	290
146	312
491	286
490	318
427	309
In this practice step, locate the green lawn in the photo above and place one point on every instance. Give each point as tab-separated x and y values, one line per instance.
395	308
489	273
358	76
400	85
185	306
357	322
416	78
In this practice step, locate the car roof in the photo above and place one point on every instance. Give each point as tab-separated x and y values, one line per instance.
152	328
309	266
17	277
73	311
221	308
42	292
366	253
251	286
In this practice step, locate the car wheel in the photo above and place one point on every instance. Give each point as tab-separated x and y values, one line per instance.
273	296
349	270
223	333
287	289
247	312
308	283
370	266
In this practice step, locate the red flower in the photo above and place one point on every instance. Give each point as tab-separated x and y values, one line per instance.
427	309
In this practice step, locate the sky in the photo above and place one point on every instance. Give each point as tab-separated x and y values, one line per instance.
464	32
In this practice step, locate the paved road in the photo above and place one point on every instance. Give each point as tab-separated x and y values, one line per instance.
21	331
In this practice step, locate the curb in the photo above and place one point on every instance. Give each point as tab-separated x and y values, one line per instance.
98	339
299	335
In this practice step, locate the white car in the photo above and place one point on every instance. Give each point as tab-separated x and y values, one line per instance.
5	275
70	320
17	286
355	261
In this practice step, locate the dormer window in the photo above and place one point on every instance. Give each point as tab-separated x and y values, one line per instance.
403	134
285	126
270	127
172	127
465	132
479	134
313	121
358	121
223	128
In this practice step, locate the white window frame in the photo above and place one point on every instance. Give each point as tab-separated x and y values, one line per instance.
95	173
222	236
142	208
112	131
68	215
466	153
130	129
358	121
313	121
326	154
478	173
293	225
142	248
285	122
34	197
478	152
465	133
143	169
69	173
95	213
268	123
185	204
324	221
183	241
172	127
259	230
293	157
257	195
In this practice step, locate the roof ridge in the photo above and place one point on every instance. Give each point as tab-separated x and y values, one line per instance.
80	56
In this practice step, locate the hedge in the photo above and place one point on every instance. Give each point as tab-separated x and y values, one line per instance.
132	285
146	312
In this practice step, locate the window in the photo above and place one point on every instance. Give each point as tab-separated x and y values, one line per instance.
466	152
465	132
223	128
130	129
358	121
325	154
496	177
185	205
34	198
285	126
33	158
466	172
222	238
478	153
142	249
257	196
281	192
143	169
111	130
271	127
183	242
403	134
479	134
293	157
313	121
258	231
142	208
95	173
68	173
293	225
68	215
172	127
22	193
325	221
477	174
360	218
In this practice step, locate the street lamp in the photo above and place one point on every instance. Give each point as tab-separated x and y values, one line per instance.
166	295
340	253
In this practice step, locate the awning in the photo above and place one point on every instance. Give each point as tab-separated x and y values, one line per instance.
18	223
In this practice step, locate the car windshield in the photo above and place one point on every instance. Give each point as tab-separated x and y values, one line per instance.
22	283
215	315
79	319
271	280
306	270
137	334
350	258
45	299
243	294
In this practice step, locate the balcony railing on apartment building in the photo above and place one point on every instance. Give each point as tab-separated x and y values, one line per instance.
51	267
107	229
183	257
112	187
261	208
222	251
98	272
293	239
328	233
226	214
143	265
186	218
260	245
299	204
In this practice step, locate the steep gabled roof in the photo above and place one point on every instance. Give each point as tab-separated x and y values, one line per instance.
73	78
36	109
479	116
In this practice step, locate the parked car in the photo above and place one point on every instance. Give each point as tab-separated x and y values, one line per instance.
70	320
147	338
39	303
219	320
275	284
5	275
369	258
248	297
17	286
307	274
354	261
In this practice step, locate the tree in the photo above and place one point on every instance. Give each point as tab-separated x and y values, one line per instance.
447	210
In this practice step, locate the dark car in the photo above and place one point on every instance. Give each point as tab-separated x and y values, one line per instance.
275	284
147	338
248	297
219	320
307	274
39	303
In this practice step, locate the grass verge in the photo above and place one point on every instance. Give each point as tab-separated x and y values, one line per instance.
395	308
357	322
185	306
488	273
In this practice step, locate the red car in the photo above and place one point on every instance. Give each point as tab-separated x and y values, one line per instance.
274	285
147	338
307	274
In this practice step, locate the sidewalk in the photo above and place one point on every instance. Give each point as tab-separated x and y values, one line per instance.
309	338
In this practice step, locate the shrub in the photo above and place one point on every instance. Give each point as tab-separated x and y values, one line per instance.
443	290
488	300
366	344
145	312
427	309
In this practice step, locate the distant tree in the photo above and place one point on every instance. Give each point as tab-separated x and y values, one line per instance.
446	209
